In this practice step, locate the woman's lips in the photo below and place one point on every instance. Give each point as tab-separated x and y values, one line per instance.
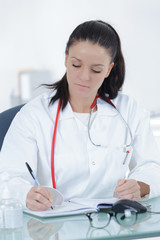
80	85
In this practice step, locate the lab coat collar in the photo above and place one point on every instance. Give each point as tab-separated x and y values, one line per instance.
65	114
103	109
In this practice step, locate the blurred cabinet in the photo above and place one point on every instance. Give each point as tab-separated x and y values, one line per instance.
30	86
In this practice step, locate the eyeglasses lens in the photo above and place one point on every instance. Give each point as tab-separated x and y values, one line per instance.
126	219
99	220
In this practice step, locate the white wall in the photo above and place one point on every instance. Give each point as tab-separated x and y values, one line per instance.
33	34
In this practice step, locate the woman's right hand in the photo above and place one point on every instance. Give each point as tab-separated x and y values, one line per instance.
39	199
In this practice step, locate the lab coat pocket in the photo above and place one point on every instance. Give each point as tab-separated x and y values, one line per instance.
118	160
120	156
127	151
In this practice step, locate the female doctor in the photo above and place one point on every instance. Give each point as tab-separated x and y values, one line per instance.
85	136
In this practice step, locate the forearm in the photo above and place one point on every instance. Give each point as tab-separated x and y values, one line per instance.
144	188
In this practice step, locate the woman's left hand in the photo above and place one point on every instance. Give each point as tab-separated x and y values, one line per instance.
128	189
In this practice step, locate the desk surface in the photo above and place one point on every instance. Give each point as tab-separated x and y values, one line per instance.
78	227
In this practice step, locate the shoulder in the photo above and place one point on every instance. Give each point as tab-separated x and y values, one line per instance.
123	102
40	101
38	108
130	108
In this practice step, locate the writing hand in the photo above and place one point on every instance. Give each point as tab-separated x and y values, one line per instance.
128	189
39	199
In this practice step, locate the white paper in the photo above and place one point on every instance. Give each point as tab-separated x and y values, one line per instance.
57	196
66	209
73	207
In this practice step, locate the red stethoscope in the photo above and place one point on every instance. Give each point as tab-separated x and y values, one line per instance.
126	147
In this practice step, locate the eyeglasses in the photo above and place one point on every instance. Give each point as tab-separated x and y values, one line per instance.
102	219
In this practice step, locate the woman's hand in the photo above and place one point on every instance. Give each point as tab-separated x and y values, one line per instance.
131	189
39	199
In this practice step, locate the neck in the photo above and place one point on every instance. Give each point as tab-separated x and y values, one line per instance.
81	105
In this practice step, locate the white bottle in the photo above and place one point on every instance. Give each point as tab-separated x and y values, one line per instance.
11	214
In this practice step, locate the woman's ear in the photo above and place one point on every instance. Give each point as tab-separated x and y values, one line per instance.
109	69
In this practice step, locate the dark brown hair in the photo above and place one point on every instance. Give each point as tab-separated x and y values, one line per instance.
103	34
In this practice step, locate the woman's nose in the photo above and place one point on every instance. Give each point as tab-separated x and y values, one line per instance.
84	74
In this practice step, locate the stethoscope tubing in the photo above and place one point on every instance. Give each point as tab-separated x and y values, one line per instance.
98	145
53	145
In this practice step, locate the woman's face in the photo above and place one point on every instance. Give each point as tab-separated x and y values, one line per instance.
87	66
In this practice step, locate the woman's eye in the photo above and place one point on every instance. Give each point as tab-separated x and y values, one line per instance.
96	71
76	66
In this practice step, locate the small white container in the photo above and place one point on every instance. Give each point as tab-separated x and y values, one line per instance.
11	214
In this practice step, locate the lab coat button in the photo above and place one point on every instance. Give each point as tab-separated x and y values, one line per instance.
93	163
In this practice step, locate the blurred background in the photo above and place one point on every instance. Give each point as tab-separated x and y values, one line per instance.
33	36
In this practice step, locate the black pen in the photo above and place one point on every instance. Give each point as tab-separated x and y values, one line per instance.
33	175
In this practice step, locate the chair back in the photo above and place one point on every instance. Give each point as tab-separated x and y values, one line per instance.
6	118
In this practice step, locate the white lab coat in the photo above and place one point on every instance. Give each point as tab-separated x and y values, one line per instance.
81	169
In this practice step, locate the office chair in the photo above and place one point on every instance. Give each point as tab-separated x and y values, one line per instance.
6	118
